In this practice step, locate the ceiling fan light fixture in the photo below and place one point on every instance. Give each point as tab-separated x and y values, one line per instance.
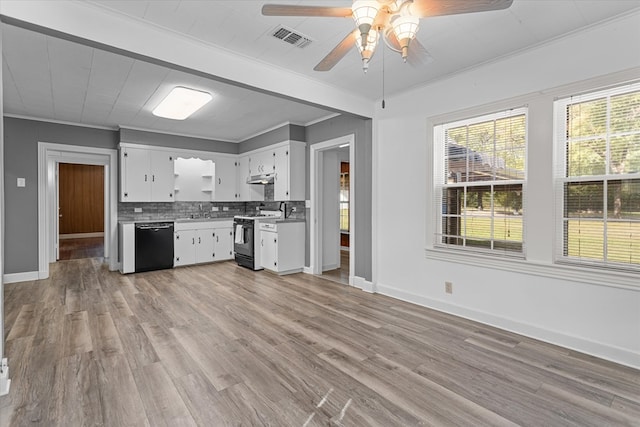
364	13
367	49
181	102
405	28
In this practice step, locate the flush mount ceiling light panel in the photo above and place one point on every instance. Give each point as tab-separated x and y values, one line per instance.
395	21
181	103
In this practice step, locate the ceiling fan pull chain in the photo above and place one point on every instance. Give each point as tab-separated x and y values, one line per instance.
383	79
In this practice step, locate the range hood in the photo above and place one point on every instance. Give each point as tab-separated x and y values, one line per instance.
265	178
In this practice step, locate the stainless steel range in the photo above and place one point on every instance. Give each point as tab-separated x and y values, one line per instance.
246	230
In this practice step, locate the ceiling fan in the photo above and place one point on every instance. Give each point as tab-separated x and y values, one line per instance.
396	22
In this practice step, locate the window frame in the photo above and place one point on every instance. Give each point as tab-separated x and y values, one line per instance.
562	180
438	186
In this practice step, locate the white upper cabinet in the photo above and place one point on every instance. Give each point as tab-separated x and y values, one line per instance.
225	179
247	192
146	175
289	182
261	162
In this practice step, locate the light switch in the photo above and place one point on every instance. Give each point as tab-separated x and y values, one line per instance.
22	182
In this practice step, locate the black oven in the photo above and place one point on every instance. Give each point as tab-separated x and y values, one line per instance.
244	245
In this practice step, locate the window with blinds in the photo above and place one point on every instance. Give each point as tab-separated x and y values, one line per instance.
598	178
479	176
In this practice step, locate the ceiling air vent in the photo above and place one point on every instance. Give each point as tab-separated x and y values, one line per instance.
290	36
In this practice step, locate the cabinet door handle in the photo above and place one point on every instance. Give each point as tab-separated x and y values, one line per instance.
262	242
193	240
217	239
219	181
153	178
145	177
199	240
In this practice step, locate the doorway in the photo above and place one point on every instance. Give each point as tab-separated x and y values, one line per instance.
49	157
329	257
80	211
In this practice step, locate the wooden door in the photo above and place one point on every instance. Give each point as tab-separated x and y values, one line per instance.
81	198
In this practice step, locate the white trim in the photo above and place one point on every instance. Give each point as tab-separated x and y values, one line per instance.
362	283
605	351
61	122
307	270
315	226
581	274
49	155
21	277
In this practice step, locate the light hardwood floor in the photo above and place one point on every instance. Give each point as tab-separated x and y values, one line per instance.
222	345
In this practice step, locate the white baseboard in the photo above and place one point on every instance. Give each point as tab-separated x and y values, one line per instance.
604	351
361	283
5	382
307	270
21	277
330	267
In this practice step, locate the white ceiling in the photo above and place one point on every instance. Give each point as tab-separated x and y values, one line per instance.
54	79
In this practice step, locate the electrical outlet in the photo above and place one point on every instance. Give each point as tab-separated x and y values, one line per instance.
225	208
448	287
214	209
137	210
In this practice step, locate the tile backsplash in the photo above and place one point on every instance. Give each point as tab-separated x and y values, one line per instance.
173	210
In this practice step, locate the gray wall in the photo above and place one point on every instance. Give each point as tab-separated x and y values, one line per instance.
176	141
281	134
21	139
362	128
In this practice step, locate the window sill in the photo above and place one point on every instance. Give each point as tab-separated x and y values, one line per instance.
556	271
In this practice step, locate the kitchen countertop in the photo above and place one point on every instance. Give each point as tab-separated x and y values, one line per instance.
179	220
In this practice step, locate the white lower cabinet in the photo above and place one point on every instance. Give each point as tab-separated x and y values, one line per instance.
199	242
282	246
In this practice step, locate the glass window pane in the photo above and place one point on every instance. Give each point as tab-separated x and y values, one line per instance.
623	242
586	157
584	200
624	153
624	112
587	118
623	199
585	239
452	199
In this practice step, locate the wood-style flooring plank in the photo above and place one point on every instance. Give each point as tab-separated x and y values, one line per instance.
218	344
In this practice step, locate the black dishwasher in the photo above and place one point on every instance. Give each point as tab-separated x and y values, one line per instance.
154	246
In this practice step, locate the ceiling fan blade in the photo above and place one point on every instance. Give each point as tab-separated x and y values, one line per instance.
418	54
289	10
338	52
425	8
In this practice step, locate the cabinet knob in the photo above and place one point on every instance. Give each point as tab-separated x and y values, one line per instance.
177	258
177	237
126	194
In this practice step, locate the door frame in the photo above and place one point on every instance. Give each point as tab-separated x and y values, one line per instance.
315	222
49	156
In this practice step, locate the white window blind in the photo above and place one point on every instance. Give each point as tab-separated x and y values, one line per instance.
598	178
479	176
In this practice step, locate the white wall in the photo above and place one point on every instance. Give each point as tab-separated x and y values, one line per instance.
600	319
